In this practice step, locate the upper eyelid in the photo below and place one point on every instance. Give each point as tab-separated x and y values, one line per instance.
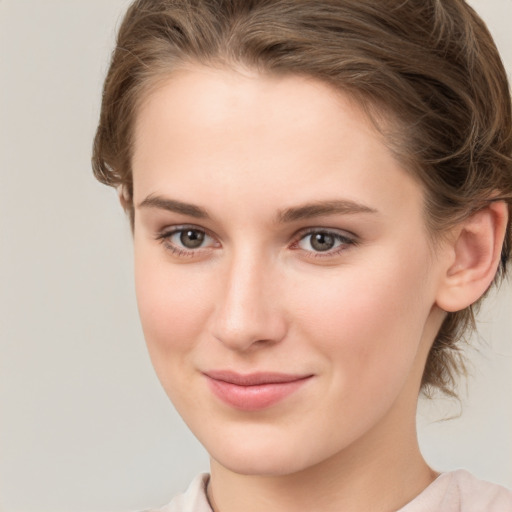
170	230
163	235
300	232
332	231
347	240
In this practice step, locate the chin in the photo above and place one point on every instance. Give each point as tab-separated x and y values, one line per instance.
264	456
254	464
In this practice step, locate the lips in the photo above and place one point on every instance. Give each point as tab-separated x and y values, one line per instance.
255	391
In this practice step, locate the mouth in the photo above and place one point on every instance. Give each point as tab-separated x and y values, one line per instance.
255	391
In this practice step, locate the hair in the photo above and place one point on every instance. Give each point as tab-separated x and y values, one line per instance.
430	66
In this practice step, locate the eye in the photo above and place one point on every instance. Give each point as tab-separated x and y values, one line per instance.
324	241
186	240
189	238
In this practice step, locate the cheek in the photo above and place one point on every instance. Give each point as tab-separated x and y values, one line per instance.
368	322
172	305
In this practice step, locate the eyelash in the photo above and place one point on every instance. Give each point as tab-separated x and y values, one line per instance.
344	240
164	237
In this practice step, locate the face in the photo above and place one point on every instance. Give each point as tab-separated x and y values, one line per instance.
284	275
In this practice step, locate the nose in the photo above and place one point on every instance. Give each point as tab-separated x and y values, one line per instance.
249	313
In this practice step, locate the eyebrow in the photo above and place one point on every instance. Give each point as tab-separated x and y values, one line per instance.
321	208
172	205
293	214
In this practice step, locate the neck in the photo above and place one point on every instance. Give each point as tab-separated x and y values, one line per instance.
381	472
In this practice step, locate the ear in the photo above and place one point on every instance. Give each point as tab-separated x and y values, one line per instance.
473	257
123	196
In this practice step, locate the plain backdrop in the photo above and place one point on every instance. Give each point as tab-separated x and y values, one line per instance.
84	424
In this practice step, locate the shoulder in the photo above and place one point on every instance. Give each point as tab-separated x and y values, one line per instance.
476	494
192	500
460	491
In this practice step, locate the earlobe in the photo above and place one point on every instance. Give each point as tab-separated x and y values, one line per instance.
474	257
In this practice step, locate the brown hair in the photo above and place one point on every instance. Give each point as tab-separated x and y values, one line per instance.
431	64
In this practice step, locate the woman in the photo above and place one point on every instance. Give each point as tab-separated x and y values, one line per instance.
320	195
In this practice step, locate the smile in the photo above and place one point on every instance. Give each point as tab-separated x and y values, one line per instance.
254	391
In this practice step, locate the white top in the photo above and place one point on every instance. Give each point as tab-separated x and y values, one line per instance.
457	491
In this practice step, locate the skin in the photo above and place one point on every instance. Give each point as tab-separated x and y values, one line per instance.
247	150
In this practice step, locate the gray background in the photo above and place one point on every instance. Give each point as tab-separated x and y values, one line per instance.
84	425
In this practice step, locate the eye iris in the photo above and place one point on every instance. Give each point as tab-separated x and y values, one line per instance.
322	241
192	238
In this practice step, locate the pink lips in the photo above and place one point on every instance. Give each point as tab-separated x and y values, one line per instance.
254	391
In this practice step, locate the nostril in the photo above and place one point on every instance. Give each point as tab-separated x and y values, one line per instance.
249	333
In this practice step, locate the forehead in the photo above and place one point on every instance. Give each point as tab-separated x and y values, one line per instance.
243	134
215	100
